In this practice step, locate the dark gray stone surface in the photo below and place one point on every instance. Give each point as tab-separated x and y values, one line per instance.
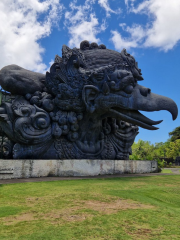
20	81
88	107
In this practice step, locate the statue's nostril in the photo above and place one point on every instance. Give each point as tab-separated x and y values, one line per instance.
145	91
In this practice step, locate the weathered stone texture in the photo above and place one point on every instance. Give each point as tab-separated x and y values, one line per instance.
10	169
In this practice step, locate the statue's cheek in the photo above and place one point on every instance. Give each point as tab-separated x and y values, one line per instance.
34	129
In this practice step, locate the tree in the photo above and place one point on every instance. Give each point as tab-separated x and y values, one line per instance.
173	150
142	150
160	150
175	134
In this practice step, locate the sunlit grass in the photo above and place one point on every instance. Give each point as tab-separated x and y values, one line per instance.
166	171
117	208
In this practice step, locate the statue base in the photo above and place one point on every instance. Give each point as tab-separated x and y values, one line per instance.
12	169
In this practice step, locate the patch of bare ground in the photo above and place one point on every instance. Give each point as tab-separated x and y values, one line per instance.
138	232
165	185
32	201
69	215
25	217
115	206
76	212
141	234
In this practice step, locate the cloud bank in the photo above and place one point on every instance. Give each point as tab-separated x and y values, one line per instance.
23	24
160	32
82	23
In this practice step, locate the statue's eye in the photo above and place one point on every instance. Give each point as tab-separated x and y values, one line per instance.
128	89
25	111
41	123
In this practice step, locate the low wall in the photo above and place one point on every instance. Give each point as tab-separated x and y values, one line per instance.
10	169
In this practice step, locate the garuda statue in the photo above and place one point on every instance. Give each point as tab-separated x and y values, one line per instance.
86	107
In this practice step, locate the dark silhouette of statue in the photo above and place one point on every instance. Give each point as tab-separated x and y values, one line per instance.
86	107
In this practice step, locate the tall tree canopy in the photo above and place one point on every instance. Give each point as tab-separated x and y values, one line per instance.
175	134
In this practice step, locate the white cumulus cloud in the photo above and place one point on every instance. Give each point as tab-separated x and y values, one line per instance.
82	23
164	32
105	4
161	31
121	42
136	32
22	25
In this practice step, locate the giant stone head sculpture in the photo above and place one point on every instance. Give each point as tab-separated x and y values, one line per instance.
86	107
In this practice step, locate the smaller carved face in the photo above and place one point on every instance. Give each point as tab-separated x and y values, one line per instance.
122	80
32	124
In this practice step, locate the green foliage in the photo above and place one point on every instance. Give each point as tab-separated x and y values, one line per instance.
161	163
174	149
144	150
175	134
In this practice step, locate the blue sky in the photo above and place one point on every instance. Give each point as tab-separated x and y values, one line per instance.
32	32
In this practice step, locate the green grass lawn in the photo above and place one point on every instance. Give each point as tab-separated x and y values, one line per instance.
101	209
166	171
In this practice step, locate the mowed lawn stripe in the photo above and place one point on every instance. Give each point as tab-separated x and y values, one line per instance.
116	208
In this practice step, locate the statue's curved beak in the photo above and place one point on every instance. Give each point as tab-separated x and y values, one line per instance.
145	100
142	99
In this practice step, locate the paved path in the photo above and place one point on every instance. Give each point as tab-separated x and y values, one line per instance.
47	179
